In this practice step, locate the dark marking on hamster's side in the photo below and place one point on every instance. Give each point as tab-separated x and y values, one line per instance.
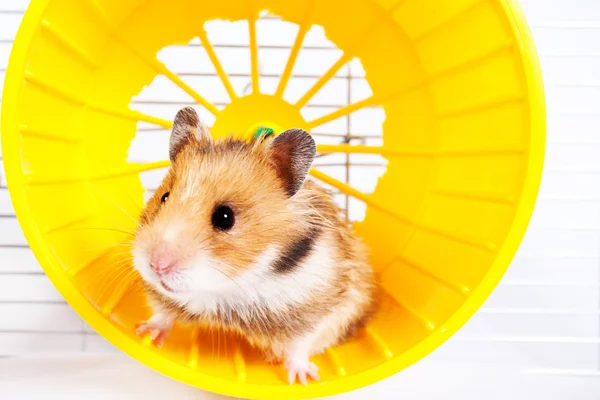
296	252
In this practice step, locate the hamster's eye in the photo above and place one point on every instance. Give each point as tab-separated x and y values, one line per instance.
223	218
164	197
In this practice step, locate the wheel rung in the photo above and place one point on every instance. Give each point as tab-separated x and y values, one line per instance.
194	349
446	22
48	230
482	197
101	13
27	131
379	342
391	7
75	270
69	44
462	290
61	93
488	105
76	100
34	180
482	244
471	63
335	360
117	295
429	325
239	363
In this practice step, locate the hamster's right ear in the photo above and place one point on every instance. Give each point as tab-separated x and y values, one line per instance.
187	128
292	154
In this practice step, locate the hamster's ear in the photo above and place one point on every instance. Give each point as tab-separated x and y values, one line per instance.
292	152
187	128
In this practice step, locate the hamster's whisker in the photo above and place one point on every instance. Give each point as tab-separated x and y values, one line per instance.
97	229
127	273
125	278
105	268
124	190
120	256
114	203
118	266
109	246
126	247
202	241
238	251
229	268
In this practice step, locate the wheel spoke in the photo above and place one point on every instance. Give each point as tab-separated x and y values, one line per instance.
350	191
287	72
368	200
132	115
326	77
153	63
344	111
254	55
75	99
217	64
350	149
160	67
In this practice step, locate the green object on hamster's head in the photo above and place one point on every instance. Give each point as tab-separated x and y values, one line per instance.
263	131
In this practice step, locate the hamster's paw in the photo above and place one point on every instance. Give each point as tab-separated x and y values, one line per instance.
157	332
302	369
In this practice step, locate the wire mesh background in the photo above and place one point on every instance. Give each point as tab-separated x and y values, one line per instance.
543	319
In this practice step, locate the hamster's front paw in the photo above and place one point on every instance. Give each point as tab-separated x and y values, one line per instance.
157	328
301	368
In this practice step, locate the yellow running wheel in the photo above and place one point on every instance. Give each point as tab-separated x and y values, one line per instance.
463	137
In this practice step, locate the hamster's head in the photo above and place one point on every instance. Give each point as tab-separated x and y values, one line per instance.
223	206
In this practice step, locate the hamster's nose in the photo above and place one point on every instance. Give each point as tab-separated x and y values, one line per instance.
162	258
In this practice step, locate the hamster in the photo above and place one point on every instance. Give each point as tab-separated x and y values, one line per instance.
236	238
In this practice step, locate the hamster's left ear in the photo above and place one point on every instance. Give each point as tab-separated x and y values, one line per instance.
292	153
187	128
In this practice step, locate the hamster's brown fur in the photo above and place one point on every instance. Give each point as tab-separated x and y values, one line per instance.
248	177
